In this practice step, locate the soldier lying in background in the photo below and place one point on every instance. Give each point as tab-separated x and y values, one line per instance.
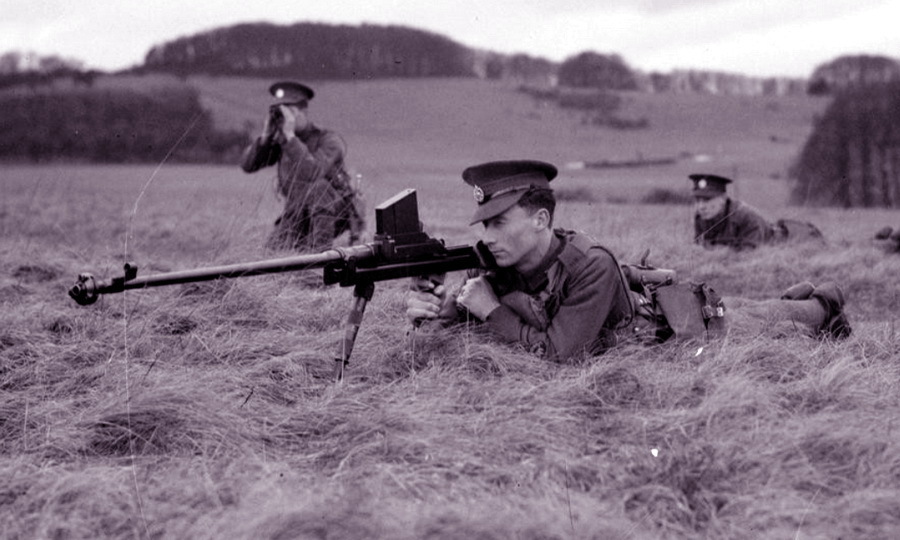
563	296
722	221
889	239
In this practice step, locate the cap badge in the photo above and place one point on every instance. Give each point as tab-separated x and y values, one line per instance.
478	193
701	184
279	93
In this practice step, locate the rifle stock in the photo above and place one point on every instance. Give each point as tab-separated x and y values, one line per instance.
400	249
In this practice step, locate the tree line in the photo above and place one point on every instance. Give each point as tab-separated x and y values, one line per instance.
325	51
113	126
33	70
314	51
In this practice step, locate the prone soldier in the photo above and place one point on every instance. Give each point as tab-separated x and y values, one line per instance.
562	295
720	220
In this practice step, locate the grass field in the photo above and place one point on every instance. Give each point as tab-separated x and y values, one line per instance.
207	411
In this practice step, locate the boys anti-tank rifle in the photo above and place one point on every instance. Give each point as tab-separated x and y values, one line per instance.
400	249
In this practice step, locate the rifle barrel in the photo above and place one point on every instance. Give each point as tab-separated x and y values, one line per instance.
87	289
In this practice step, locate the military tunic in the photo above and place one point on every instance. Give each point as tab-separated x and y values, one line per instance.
740	226
571	305
320	203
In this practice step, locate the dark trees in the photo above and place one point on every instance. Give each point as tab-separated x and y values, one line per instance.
852	157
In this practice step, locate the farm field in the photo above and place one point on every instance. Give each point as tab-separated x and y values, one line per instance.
208	410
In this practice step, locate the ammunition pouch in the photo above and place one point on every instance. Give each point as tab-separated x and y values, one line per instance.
691	310
665	308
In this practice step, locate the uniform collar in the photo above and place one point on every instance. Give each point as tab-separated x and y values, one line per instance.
537	278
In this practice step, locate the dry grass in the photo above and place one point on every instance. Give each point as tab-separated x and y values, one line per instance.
207	411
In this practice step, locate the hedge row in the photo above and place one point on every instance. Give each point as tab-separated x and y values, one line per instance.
113	126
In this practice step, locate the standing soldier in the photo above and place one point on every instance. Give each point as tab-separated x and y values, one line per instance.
320	202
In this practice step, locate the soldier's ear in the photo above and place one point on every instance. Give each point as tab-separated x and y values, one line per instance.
541	218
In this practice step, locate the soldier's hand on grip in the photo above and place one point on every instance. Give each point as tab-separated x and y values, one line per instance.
425	298
478	297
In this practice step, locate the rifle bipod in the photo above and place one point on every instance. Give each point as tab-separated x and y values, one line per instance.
362	294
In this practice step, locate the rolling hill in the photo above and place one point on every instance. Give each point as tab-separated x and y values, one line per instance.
444	125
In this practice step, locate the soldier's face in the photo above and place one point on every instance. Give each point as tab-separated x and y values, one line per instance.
513	238
708	208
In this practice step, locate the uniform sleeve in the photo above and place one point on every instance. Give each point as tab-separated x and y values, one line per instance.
752	230
698	232
588	300
260	154
312	166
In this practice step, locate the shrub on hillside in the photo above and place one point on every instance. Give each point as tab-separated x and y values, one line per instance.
603	102
600	106
666	196
615	122
108	126
593	70
579	194
540	93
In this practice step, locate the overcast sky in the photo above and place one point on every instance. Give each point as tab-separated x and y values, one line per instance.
755	37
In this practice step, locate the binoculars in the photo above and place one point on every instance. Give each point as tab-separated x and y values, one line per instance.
275	114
